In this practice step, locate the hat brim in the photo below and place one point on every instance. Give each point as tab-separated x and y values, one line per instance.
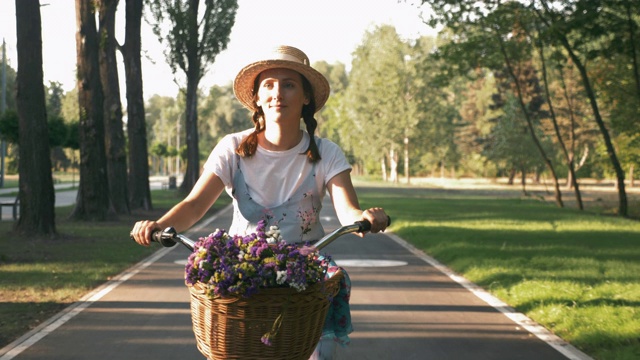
244	81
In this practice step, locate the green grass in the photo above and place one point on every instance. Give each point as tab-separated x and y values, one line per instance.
39	277
578	274
10	183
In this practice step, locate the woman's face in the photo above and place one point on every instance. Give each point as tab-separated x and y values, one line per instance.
281	95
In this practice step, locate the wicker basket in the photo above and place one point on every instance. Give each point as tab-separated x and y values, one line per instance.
232	328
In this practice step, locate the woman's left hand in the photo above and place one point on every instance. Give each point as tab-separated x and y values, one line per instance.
377	217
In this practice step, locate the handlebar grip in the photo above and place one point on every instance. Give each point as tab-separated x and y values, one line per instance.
365	225
165	237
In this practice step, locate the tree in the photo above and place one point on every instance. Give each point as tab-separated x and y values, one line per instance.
10	84
376	101
517	61
114	133
475	123
55	93
436	112
138	180
69	112
161	152
92	202
193	40
572	177
9	101
37	198
164	121
10	127
57	127
511	144
576	26
223	113
490	34
336	74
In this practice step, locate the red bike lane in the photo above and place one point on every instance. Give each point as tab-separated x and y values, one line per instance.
404	306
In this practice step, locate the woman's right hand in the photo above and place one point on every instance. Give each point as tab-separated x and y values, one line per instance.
142	230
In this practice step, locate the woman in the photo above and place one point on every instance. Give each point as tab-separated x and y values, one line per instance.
275	171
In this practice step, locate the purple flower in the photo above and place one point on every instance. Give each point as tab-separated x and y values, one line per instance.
242	265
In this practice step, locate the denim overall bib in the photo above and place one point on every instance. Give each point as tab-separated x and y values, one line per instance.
297	215
297	218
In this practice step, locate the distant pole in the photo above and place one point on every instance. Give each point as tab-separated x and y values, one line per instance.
178	147
3	107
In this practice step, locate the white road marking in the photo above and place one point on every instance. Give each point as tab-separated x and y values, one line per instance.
369	263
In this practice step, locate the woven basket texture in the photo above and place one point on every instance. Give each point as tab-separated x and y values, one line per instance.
232	327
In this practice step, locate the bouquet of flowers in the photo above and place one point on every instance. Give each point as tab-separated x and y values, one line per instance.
241	265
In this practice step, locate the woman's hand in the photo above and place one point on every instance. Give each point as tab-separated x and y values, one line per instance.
142	231
377	217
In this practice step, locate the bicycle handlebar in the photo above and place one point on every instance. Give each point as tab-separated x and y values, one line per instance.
169	237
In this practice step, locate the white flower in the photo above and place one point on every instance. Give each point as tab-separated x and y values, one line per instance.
241	255
281	276
273	235
297	286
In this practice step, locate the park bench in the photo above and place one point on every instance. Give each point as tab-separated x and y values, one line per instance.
170	183
13	204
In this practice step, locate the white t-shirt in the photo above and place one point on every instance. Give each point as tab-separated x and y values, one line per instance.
272	177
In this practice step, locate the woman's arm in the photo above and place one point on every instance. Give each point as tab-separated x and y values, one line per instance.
345	202
186	213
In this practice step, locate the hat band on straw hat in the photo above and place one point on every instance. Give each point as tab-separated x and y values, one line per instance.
288	57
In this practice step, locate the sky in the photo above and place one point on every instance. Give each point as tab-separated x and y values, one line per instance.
328	30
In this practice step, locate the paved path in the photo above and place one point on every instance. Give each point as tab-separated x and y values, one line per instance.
64	195
411	311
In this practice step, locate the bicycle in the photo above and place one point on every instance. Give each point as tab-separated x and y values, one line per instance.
231	328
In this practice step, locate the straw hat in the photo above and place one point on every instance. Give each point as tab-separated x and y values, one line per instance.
286	57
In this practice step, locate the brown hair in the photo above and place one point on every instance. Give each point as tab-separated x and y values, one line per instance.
249	144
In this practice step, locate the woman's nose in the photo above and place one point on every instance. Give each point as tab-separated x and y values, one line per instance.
275	91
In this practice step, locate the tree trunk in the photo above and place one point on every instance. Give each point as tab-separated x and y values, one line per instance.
383	168
622	195
193	79
527	116
568	157
512	176
393	165
114	139
138	180
193	155
92	202
406	160
37	197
